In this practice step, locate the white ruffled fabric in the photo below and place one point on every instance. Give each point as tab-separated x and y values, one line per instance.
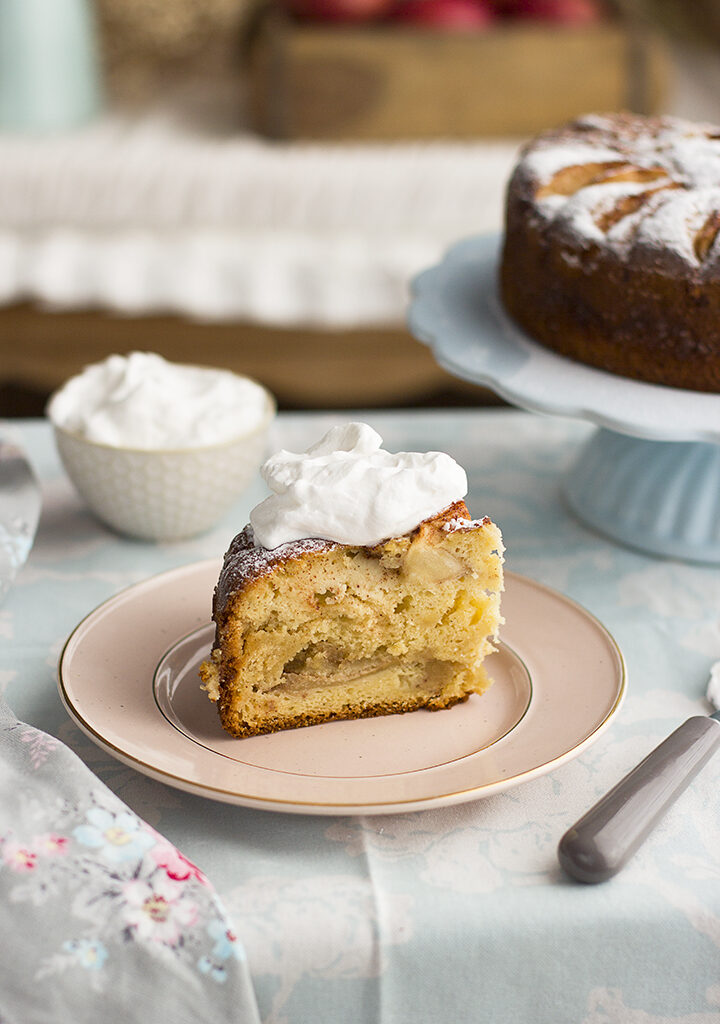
150	215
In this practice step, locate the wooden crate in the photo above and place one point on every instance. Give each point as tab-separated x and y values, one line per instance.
391	82
305	369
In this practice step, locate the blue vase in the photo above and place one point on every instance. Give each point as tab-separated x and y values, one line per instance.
49	75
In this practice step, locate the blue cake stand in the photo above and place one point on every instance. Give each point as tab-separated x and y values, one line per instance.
648	477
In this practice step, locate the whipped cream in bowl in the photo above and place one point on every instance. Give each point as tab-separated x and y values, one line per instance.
143	401
347	488
160	450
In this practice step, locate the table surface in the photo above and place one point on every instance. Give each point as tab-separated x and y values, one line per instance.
459	913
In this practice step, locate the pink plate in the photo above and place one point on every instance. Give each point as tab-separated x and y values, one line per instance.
128	677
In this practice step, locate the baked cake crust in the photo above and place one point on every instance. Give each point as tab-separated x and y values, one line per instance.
316	631
611	253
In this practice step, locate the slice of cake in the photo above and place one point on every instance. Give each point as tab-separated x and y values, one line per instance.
314	629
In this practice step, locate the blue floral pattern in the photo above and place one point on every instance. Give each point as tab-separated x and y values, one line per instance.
117	837
226	947
130	895
88	953
110	879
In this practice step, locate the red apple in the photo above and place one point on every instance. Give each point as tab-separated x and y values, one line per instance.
338	10
569	12
458	15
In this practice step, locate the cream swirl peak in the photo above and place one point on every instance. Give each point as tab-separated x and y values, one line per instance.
347	488
143	401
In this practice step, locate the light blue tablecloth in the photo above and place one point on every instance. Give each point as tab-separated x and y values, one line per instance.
451	915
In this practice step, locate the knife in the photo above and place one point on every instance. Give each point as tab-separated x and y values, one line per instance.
20	504
603	840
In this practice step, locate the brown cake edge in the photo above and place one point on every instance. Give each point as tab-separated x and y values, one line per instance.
301	721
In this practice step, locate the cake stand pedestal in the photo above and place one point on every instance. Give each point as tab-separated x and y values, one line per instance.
649	477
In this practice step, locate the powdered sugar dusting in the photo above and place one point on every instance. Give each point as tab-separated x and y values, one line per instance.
674	206
625	231
244	562
584	211
675	222
594	121
544	163
464	524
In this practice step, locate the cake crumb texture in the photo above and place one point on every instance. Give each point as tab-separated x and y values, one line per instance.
315	631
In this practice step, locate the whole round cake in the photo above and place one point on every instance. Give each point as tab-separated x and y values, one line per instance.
611	253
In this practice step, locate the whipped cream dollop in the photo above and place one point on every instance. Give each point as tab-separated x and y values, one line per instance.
143	401
347	488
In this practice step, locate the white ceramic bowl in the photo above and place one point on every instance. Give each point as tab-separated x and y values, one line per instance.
163	494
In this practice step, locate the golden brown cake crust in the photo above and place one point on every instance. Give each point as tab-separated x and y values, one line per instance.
238	728
611	253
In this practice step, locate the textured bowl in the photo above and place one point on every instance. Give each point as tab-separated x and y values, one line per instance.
166	494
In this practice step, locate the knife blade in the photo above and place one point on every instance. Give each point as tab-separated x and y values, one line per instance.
601	842
20	504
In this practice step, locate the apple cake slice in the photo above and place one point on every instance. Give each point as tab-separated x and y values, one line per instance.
314	631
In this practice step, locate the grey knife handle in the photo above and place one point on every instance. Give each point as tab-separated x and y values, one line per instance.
605	838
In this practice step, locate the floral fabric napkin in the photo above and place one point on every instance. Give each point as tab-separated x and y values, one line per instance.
102	917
